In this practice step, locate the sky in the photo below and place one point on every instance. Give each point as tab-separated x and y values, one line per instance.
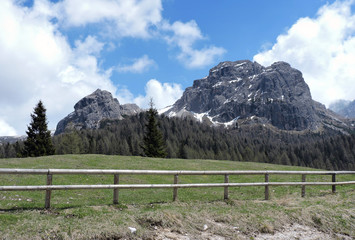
60	51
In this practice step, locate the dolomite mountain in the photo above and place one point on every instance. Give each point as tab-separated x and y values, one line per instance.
232	95
92	109
245	92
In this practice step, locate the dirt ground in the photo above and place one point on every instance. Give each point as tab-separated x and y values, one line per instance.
290	232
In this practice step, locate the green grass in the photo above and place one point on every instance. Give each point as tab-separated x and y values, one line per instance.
87	214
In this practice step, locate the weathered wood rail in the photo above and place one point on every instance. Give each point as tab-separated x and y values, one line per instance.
175	186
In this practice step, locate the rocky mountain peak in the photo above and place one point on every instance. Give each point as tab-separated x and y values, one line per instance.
245	91
92	109
99	96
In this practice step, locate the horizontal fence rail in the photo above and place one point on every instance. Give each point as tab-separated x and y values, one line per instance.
116	186
163	172
145	186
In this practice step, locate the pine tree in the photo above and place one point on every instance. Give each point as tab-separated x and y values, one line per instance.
182	151
153	141
38	142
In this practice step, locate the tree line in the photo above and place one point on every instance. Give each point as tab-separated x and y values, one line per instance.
186	138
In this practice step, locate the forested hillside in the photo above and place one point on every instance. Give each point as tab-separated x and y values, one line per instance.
186	138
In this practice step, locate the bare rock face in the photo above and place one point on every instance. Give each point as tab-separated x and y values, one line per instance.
245	92
92	109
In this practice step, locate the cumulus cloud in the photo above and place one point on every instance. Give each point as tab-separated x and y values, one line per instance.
37	63
196	58
163	94
90	46
184	36
138	66
323	48
141	19
129	18
6	129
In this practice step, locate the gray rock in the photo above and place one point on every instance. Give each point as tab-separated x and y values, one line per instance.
92	109
246	92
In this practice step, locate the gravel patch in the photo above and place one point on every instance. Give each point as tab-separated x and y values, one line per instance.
297	231
290	232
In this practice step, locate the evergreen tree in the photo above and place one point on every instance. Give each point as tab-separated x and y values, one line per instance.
38	142
182	151
153	141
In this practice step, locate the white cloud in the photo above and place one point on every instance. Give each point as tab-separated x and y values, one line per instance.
138	66
141	19
37	62
90	46
163	94
323	48
6	129
185	35
127	18
194	58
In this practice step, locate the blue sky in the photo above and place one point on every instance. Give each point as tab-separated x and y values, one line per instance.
60	51
242	28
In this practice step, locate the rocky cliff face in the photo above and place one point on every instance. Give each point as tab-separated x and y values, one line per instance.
90	110
245	92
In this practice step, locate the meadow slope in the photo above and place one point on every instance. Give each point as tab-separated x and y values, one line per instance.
198	213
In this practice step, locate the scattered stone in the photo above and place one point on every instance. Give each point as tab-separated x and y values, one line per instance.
132	229
297	231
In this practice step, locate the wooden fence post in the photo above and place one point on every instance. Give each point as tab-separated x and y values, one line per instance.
47	203
266	187
116	180
334	180
303	194
226	180
175	191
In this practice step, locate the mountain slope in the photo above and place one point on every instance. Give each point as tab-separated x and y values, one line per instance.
344	108
245	92
186	138
92	109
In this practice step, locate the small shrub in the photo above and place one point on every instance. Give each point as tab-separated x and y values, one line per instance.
317	220
266	228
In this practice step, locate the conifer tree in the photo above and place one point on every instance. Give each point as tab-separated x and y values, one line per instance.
153	141
182	150
38	142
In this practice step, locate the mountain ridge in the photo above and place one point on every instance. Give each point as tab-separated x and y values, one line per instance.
232	95
245	92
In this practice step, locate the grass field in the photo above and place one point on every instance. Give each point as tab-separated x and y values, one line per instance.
90	214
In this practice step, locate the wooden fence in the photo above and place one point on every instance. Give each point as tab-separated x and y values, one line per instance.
175	186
